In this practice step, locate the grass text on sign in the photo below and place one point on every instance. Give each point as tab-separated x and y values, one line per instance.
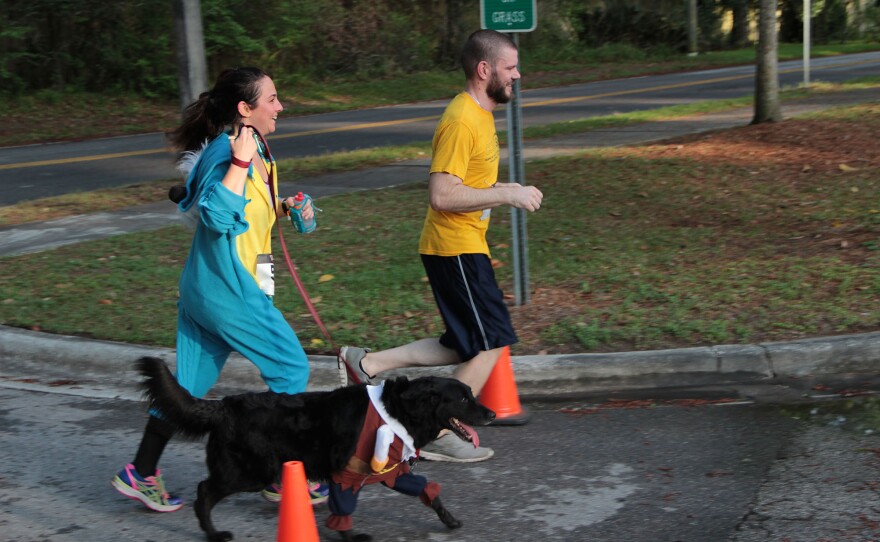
509	15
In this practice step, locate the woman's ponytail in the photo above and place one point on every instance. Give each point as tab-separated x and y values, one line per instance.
217	108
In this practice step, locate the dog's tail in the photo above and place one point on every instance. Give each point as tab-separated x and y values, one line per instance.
192	417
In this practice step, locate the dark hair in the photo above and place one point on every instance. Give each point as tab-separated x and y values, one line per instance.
217	108
483	45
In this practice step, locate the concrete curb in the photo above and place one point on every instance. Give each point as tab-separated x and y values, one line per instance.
847	356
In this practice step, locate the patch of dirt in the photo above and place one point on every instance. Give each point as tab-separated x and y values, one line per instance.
805	147
546	306
792	152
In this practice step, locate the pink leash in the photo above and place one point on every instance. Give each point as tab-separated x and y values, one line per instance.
309	305
295	276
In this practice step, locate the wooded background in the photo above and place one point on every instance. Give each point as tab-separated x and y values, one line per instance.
128	45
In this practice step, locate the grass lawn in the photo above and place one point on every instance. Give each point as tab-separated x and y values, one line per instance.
767	232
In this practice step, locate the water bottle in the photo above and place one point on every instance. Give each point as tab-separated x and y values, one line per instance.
299	202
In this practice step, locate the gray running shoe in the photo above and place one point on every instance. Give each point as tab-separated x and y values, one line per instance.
352	356
451	448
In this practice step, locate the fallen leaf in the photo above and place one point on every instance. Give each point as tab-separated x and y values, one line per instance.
106	302
317	342
497	263
326	278
845	167
806	168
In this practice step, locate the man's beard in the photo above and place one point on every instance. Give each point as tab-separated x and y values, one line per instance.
496	91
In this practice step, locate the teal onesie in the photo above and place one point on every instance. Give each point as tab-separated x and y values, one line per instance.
221	307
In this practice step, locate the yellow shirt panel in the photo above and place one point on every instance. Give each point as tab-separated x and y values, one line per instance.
260	217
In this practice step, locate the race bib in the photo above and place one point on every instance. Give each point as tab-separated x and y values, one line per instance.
266	274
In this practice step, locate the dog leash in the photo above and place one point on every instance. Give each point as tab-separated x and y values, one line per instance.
301	288
352	377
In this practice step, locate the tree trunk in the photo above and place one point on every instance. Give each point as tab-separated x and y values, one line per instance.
739	32
192	71
767	108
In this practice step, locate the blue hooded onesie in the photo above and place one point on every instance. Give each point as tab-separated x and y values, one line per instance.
221	307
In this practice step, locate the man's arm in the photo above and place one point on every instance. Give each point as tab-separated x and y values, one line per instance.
448	193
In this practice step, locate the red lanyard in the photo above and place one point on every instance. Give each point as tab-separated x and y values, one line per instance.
271	168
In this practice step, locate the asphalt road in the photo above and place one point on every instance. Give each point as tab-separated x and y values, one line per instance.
619	475
687	471
35	171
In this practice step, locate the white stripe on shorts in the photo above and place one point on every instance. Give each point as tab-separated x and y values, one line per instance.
473	305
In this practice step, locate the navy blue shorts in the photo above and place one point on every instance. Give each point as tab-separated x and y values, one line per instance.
470	302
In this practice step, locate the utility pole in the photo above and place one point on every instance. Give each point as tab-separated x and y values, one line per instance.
693	48
808	14
192	72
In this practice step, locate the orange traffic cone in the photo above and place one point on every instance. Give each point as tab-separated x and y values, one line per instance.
500	393
296	520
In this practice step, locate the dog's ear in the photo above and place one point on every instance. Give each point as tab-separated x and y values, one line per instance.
428	390
398	384
424	390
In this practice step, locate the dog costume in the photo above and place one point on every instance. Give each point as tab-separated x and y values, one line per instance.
382	455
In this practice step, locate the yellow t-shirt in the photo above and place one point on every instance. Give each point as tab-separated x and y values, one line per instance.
465	145
260	216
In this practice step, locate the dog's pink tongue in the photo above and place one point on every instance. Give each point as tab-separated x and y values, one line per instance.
475	438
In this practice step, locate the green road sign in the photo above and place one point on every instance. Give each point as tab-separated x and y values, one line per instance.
509	15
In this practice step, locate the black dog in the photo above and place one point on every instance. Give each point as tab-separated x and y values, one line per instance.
253	434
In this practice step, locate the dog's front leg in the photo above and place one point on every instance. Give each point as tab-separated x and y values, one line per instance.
444	515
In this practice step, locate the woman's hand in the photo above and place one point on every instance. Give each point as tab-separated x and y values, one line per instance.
307	212
243	145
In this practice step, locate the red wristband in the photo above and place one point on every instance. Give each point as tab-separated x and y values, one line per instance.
240	163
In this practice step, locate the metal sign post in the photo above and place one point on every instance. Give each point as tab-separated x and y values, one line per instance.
516	174
514	16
